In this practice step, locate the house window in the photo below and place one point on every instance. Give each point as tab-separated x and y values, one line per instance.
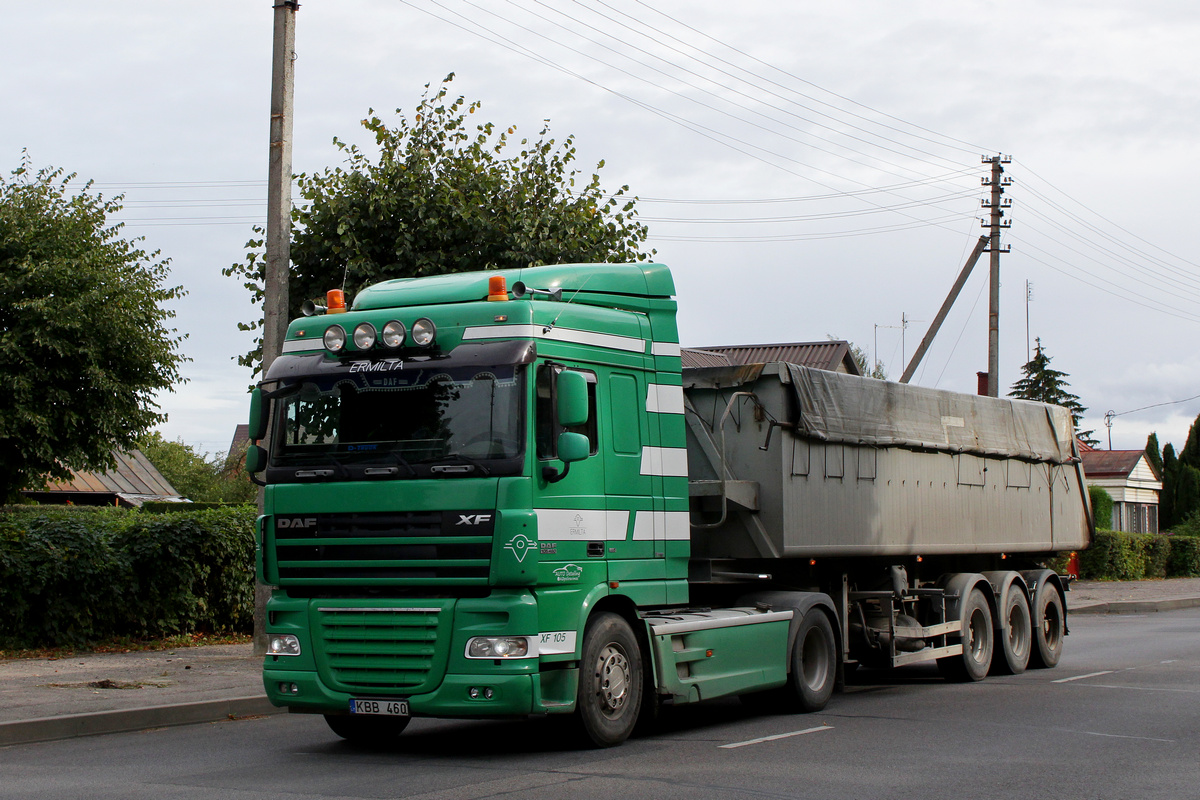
1117	517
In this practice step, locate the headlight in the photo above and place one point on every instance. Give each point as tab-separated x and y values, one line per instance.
282	644
393	334
364	336
335	338
501	647
423	332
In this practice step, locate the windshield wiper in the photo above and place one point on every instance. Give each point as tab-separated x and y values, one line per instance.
394	456
458	457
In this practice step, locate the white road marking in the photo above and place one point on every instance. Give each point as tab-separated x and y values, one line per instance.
1081	677
1120	736
777	736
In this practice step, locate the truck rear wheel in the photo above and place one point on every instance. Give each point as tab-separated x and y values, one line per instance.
976	657
1016	633
366	730
610	681
814	663
1049	626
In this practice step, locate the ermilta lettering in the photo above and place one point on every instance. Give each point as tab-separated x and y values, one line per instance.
376	366
296	522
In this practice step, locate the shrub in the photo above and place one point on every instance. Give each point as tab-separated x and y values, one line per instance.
1184	559
1158	552
1102	506
70	575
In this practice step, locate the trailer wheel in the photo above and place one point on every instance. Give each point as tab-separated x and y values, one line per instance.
366	730
610	681
1016	634
976	656
1049	626
814	662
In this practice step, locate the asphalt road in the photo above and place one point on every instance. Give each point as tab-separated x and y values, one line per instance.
1119	718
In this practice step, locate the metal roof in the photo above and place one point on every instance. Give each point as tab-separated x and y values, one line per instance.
833	355
1113	463
134	480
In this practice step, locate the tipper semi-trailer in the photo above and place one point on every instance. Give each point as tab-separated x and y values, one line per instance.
499	493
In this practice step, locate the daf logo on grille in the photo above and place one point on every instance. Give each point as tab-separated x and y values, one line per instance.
297	522
473	519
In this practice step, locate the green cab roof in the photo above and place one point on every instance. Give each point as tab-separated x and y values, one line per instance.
580	283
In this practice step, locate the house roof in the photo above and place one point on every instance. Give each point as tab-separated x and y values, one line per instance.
241	440
134	480
1112	463
833	355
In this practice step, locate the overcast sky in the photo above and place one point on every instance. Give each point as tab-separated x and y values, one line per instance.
806	169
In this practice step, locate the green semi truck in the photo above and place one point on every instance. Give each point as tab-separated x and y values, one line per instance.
500	494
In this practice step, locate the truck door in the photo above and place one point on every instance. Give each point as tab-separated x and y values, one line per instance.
573	520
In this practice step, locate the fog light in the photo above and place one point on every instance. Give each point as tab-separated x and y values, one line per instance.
334	338
473	692
364	336
423	332
487	693
283	644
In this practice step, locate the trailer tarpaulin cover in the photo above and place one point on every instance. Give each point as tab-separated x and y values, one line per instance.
835	407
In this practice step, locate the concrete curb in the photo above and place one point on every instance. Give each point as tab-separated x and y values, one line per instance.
70	726
1137	606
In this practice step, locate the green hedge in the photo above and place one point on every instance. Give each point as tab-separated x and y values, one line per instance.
1119	556
71	575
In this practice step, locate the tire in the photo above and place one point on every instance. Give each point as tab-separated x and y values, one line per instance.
366	730
812	673
976	657
814	663
1015	637
610	681
1049	627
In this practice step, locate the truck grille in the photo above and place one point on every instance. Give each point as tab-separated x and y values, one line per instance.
385	549
379	648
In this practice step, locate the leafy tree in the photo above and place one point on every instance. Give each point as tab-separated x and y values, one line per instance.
443	198
1047	385
84	342
203	479
862	360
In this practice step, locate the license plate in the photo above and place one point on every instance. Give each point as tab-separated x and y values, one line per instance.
387	708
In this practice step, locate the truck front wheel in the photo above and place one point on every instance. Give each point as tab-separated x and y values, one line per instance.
610	680
366	730
977	643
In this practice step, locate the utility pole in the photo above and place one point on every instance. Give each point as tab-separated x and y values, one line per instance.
279	183
997	206
1028	297
278	243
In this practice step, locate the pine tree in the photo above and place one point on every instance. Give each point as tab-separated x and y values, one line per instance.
1046	385
1154	453
1166	500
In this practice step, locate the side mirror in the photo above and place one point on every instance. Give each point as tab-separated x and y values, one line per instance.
573	446
572	403
256	459
258	416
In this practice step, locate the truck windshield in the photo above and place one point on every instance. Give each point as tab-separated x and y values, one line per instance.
433	422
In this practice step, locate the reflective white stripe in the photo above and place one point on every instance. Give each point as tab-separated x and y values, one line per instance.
669	462
664	399
662	525
665	349
558	524
607	340
299	345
